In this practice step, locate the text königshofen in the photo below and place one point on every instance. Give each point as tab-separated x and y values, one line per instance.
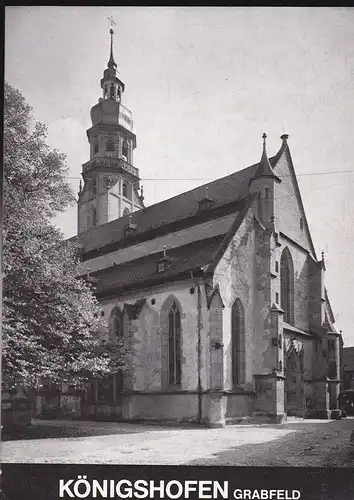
82	487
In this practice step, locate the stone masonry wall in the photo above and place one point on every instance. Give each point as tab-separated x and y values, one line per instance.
147	332
234	274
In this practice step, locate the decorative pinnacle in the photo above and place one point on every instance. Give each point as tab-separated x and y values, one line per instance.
206	191
322	253
164	251
130	219
111	62
264	153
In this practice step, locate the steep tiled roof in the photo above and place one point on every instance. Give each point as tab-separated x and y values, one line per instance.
182	207
183	260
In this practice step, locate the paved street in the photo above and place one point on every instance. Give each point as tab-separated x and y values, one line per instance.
295	443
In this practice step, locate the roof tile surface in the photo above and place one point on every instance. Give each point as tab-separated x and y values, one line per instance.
222	191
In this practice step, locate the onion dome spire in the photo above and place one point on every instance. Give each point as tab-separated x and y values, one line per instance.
111	62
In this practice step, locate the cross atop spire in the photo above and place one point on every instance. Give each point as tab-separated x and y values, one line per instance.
264	158
111	20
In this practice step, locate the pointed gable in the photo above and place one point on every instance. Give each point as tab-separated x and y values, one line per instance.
289	210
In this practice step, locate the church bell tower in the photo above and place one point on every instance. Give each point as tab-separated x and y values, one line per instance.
111	182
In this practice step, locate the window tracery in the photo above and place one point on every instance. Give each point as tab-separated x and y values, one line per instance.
237	343
174	346
287	286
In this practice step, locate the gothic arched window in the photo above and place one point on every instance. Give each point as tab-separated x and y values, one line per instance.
116	334
95	147
174	346
287	286
238	359
125	150
115	326
171	315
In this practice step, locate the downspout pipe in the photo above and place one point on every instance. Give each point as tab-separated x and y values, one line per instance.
199	327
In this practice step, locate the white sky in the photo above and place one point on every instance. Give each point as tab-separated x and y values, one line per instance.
203	84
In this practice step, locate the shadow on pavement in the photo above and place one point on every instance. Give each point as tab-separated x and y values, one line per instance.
75	429
299	448
253	454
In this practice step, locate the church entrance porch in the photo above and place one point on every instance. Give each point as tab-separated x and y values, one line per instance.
294	401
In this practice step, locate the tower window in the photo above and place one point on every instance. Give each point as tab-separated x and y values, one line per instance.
112	91
266	193
94	186
126	190
110	145
125	150
119	93
95	147
105	92
174	346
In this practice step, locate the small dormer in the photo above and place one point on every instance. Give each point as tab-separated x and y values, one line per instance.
205	203
131	228
164	263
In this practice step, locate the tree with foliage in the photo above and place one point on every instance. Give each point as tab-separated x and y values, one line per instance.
51	329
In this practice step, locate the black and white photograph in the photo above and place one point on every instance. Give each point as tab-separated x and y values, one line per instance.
178	237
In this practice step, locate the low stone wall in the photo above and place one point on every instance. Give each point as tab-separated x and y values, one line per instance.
103	412
164	406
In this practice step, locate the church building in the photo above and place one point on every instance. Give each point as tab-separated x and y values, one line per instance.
217	292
